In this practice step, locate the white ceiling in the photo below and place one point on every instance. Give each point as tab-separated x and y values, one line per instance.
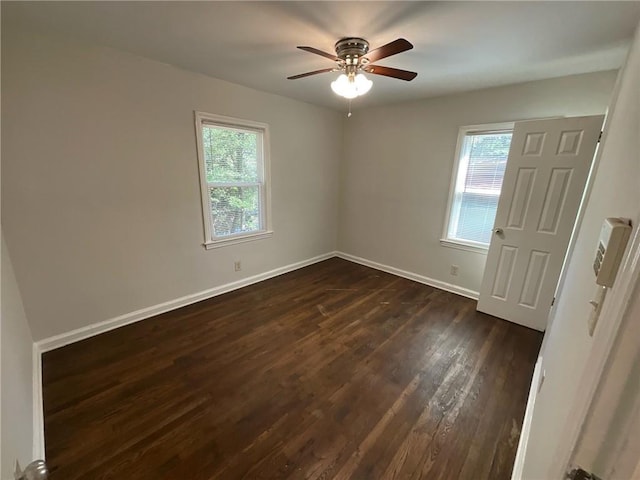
458	45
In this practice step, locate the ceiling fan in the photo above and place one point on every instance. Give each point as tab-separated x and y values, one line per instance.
353	58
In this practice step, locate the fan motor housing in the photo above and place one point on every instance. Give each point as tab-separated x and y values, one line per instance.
351	49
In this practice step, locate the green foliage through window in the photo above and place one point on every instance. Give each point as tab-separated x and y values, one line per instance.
234	210
234	175
230	155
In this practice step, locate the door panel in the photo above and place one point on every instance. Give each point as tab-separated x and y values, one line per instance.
533	279
548	166
521	198
555	200
533	144
505	272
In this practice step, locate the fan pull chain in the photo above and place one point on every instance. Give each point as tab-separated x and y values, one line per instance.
349	114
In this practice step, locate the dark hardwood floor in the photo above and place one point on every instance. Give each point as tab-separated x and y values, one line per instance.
334	371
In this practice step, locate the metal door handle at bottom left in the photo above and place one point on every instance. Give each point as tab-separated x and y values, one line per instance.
36	470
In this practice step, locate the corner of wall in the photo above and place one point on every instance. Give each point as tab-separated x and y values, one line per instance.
341	182
20	385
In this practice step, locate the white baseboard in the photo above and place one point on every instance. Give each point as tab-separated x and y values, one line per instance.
465	292
73	336
82	333
518	464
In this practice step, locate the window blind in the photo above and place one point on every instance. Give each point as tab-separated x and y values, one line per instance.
481	171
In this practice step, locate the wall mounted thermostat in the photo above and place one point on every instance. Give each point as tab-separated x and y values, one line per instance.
611	245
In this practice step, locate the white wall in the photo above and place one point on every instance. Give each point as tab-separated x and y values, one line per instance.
567	345
609	443
16	374
100	194
398	163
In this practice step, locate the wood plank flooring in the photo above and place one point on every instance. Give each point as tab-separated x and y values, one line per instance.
334	371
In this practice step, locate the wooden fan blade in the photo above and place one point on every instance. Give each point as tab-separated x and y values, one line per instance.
319	52
391	72
315	72
397	46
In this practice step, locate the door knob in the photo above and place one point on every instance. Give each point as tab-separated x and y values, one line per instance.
34	471
498	231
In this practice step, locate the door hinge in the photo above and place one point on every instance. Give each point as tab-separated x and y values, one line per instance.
553	301
580	474
600	136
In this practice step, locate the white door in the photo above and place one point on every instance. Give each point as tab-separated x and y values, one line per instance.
548	165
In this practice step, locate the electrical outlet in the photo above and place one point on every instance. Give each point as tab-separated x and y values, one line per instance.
237	266
454	270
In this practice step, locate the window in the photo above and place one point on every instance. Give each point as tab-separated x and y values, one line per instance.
233	156
481	159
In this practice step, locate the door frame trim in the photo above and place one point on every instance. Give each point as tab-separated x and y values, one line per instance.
536	383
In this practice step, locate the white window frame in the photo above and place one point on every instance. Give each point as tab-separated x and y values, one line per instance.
459	171
264	184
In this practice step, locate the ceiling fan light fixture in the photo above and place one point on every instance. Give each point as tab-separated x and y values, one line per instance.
351	86
363	84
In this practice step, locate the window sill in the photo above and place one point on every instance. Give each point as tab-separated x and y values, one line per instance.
469	247
237	239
